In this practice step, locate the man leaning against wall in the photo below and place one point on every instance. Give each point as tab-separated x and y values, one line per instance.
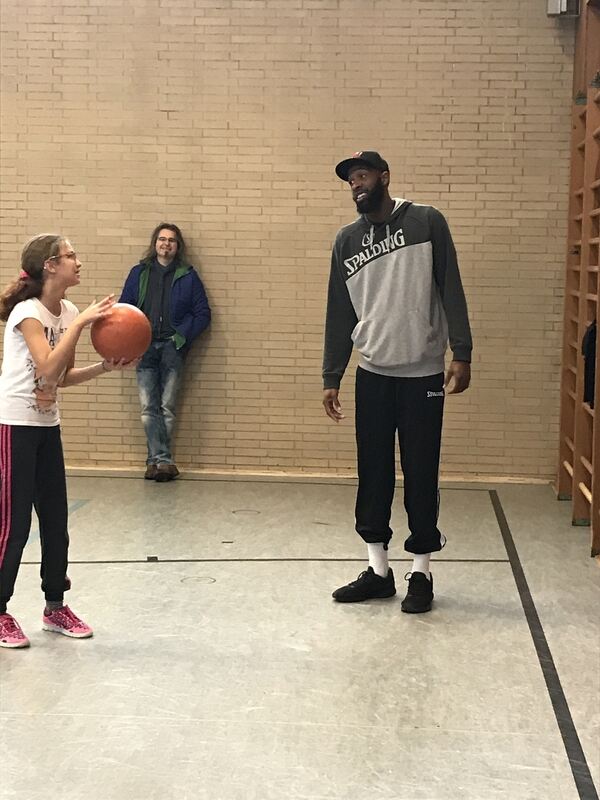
167	288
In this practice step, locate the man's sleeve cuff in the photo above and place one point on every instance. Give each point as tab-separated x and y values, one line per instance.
331	381
462	354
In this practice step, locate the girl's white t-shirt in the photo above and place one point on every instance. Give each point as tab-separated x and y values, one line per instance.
25	399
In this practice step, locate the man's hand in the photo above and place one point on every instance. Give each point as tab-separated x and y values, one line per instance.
459	372
332	405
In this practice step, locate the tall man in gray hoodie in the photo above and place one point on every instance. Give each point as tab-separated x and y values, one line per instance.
395	293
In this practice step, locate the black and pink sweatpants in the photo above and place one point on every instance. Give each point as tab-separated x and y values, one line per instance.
32	475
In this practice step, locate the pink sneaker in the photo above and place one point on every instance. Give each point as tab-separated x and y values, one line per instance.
64	621
11	634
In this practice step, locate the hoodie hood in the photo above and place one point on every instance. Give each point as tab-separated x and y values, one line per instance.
400	208
400	204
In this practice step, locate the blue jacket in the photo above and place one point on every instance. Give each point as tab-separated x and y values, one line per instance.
190	312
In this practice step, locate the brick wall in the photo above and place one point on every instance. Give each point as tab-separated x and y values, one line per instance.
227	117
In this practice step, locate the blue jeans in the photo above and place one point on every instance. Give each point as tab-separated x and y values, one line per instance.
159	378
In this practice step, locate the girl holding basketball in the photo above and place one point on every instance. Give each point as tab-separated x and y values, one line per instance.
42	331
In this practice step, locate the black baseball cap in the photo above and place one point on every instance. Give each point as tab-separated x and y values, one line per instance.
365	158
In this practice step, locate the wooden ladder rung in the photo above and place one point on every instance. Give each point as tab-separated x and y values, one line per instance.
586	464
568	467
569	443
585	492
588	410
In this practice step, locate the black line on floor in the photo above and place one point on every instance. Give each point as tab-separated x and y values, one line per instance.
577	760
157	560
270	481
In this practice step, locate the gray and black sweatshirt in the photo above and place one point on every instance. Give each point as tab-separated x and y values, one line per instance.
395	293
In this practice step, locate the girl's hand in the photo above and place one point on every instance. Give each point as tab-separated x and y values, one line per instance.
110	364
96	310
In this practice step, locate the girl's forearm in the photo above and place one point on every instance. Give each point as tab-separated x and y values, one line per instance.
77	375
61	356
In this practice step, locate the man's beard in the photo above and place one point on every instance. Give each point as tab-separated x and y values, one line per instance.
373	200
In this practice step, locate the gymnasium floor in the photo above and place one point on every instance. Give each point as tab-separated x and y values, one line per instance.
222	670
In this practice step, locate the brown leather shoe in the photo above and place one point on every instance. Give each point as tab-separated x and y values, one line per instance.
166	472
150	474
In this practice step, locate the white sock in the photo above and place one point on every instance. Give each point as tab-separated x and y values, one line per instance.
421	562
378	559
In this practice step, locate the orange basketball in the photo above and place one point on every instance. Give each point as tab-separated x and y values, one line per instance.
124	334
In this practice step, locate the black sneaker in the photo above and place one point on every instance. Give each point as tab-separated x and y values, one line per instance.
367	586
420	593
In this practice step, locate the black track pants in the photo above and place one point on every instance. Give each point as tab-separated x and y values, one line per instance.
414	407
32	473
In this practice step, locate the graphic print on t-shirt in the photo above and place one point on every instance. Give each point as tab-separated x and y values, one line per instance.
45	394
45	391
53	335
